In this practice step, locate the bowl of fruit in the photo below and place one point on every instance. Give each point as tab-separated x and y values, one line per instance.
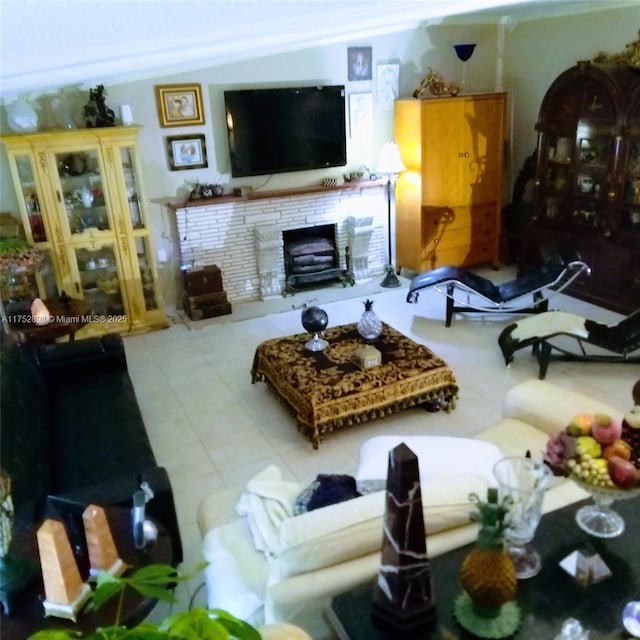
601	455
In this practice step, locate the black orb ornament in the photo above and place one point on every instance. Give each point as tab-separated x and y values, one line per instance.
315	320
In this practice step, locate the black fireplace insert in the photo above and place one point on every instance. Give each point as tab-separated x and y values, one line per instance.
311	255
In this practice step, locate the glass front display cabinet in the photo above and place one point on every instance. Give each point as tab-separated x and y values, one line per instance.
81	201
587	184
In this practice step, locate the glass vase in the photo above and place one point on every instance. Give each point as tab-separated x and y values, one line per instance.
523	482
22	117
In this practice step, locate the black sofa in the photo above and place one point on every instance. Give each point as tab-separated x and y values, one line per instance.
71	428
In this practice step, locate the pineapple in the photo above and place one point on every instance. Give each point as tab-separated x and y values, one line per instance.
487	573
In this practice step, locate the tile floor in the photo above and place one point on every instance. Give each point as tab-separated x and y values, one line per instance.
212	429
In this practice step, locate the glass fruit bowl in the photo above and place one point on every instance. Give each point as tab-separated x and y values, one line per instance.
599	519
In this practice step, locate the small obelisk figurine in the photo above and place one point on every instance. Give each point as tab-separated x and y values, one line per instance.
65	593
103	555
403	593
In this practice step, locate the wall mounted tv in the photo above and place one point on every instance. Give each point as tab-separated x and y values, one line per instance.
286	129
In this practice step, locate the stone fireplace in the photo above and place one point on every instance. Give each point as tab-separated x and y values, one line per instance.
244	236
311	255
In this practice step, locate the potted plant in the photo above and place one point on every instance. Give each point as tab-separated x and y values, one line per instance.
17	255
18	261
157	581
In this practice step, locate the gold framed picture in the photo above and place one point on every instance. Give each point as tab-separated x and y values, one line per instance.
179	105
187	152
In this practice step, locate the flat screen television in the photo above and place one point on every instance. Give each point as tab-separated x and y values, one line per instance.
285	129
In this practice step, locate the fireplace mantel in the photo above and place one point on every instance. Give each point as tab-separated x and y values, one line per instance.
279	193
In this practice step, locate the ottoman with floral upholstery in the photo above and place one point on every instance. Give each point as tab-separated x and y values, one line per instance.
326	390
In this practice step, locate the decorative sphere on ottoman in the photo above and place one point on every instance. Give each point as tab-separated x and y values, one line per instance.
315	320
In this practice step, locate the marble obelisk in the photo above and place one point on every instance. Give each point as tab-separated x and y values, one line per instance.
103	555
65	593
403	594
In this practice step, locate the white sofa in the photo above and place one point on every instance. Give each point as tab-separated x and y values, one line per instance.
270	566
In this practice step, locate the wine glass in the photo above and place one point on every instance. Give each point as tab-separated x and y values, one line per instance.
599	519
464	52
523	481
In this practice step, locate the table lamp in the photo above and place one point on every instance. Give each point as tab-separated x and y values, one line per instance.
390	163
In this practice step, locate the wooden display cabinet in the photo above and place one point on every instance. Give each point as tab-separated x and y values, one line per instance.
587	185
448	202
82	203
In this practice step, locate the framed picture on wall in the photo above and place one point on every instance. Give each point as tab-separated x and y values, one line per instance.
186	152
179	105
387	84
359	61
360	115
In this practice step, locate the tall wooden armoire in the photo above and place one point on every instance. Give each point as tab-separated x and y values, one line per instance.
448	202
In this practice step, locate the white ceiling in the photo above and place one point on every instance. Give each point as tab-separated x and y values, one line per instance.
51	43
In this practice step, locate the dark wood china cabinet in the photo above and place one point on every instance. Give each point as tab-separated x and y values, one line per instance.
587	185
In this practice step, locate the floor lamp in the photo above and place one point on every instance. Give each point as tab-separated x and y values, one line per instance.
390	164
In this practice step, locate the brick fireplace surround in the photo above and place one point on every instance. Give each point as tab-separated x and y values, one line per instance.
243	235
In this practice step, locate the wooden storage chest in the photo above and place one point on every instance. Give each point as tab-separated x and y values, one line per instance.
204	296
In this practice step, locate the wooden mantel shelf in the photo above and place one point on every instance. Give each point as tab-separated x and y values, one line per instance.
281	193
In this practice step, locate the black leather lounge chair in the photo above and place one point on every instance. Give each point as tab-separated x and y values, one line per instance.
472	293
573	338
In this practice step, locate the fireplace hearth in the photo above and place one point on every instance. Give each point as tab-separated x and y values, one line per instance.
311	255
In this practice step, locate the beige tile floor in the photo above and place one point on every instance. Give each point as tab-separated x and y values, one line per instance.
213	429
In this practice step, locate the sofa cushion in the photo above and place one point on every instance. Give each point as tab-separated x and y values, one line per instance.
438	457
334	534
350	529
24	445
549	407
97	430
515	438
236	578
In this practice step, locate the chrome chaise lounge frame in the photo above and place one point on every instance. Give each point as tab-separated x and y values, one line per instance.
458	285
616	343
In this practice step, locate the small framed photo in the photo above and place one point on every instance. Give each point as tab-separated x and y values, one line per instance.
360	115
179	105
359	61
187	152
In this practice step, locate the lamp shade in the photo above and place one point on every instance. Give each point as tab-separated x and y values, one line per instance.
390	161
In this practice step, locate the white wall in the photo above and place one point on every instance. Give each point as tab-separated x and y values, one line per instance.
538	51
535	53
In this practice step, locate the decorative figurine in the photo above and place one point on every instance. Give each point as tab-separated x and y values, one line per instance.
95	112
486	608
369	325
436	85
315	320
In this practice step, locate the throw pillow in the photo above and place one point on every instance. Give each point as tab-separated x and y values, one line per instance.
438	457
325	490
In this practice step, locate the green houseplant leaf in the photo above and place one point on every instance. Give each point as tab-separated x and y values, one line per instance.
157	581
208	624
